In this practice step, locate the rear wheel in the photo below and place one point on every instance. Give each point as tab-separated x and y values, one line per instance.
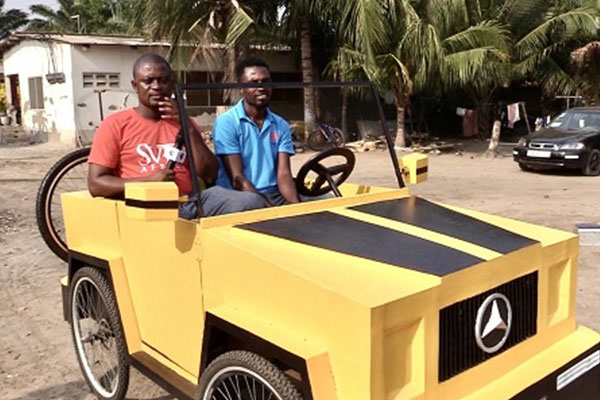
338	137
69	174
242	375
592	167
98	335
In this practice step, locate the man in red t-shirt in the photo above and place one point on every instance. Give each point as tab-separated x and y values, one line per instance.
131	145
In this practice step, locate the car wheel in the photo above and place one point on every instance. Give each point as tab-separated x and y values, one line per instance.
592	167
98	335
524	167
242	375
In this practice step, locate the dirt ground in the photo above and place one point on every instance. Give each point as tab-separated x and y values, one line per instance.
37	360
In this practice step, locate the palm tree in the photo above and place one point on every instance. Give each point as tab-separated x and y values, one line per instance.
10	20
66	19
426	49
87	16
543	34
194	28
587	63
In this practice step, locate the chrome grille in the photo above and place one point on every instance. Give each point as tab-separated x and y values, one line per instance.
543	146
458	347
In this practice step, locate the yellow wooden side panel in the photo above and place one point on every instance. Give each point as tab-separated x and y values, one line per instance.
91	222
162	263
235	278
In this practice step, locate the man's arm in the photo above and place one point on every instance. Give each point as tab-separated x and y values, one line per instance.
235	169
205	161
285	182
102	181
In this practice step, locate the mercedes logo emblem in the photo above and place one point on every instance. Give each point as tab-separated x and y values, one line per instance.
493	323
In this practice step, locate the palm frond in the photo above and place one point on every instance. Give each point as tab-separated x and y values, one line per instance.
487	33
448	16
240	23
576	24
476	68
362	22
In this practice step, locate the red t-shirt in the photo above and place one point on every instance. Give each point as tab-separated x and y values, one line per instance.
134	147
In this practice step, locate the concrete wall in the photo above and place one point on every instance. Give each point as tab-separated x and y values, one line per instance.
71	111
31	59
109	59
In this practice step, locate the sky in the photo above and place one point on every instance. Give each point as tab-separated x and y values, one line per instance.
24	4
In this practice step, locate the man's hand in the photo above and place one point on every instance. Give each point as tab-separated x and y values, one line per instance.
164	175
168	109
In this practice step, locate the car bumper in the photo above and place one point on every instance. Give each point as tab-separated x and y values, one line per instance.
579	379
567	370
557	159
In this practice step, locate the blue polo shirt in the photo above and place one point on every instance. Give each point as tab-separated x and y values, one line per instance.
235	133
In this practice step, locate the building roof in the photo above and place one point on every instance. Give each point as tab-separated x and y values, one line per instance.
76	39
101	40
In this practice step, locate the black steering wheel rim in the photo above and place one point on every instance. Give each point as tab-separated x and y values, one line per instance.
334	175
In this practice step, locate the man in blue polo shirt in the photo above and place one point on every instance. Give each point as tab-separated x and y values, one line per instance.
253	143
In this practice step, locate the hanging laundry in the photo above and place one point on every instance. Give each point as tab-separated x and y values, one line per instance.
513	114
470	123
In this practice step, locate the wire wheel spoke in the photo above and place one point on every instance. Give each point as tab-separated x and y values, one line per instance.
241	386
95	338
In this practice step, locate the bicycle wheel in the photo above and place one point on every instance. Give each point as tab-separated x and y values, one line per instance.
317	141
69	174
242	375
338	137
98	335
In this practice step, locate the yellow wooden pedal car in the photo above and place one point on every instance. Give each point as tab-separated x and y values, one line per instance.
374	295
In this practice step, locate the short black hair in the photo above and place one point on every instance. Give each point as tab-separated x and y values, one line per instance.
247	62
150	58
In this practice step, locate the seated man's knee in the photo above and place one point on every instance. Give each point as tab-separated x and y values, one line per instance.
251	201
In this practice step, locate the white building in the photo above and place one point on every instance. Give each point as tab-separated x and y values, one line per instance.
64	84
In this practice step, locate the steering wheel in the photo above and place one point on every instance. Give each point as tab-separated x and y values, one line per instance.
334	175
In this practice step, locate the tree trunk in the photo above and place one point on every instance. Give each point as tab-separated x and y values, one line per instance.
345	113
400	141
494	140
307	76
474	10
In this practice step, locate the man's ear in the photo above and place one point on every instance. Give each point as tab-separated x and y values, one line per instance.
134	85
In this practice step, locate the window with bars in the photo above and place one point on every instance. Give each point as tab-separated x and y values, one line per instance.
36	93
101	80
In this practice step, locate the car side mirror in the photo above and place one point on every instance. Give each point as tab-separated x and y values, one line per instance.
414	167
152	201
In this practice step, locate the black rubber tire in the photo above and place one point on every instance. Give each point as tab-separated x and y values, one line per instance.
524	167
339	138
114	320
44	213
246	360
592	165
316	141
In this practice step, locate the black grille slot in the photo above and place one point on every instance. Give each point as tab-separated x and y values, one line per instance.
458	347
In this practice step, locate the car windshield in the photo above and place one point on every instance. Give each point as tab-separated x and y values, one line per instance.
572	120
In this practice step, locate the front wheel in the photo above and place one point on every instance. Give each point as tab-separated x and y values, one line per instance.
592	167
242	375
98	335
316	141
